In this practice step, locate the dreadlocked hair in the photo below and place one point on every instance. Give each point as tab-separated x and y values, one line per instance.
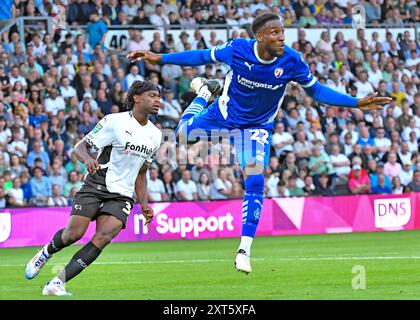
138	88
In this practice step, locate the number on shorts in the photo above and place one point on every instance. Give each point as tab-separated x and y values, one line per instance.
127	208
256	135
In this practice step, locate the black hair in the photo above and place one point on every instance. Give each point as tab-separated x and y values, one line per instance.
261	20
138	88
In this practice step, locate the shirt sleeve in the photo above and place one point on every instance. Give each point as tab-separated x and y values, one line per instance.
101	135
223	52
303	75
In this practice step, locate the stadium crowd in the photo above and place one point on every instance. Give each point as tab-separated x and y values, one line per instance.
52	92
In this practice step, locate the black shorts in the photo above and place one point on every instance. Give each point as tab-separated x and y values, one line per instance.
92	202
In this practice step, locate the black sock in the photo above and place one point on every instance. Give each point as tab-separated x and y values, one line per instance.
81	260
56	243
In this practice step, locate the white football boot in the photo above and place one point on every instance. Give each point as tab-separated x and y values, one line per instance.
242	262
55	288
35	265
212	85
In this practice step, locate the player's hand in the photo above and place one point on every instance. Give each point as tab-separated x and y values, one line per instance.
92	166
144	55
372	102
148	214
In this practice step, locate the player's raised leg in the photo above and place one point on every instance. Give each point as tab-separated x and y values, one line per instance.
204	89
74	231
254	158
107	227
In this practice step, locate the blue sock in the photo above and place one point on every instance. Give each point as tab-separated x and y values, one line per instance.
196	106
251	209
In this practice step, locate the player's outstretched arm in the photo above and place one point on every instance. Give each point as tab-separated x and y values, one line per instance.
141	193
329	96
372	102
185	58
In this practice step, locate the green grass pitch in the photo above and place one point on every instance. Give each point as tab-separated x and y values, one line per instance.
285	267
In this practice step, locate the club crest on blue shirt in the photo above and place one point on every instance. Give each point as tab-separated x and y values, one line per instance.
278	72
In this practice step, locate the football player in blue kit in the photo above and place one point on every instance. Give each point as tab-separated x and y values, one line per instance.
253	92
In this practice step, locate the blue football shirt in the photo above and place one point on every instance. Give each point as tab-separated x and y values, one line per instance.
254	88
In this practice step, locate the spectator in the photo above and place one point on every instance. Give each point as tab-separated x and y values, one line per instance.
340	162
290	163
405	135
375	172
406	174
397	93
323	189
319	162
404	155
307	19
133	75
282	141
149	8
246	17
373	12
395	20
203	186
169	185
26	186
397	188
382	143
155	187
415	184
17	193
57	178
392	168
364	138
309	187
41	187
159	19
364	87
237	191
138	42
14	77
38	153
216	17
104	103
3	202
282	190
66	90
72	182
221	187
56	199
413	145
187	20
140	18
198	169
293	190
5	133
87	124
54	103
74	165
171	108
96	30
302	147
16	166
186	189
381	187
359	181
